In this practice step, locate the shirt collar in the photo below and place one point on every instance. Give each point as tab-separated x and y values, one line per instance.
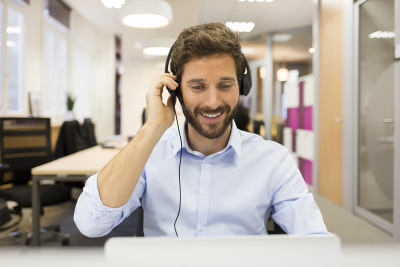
234	141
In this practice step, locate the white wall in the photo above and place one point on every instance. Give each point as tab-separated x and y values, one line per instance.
33	68
91	75
139	71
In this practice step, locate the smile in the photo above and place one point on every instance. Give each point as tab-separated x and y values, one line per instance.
211	116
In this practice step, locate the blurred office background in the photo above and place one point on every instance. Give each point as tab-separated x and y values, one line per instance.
325	80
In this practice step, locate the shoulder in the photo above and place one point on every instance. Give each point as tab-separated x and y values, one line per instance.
168	141
255	144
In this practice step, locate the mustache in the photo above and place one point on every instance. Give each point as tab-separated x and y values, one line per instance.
219	109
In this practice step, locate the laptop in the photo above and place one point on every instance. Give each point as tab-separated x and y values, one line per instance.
270	250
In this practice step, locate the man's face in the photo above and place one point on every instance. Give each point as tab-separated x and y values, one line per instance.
210	93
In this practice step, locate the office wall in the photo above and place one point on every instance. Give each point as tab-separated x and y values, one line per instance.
139	71
330	100
91	75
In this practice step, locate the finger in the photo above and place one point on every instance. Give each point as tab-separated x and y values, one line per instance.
171	102
169	75
171	84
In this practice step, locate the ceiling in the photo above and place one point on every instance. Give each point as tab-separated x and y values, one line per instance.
278	16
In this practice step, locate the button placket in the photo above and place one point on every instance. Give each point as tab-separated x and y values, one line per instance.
203	204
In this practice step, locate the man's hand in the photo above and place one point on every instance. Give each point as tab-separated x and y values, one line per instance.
159	114
117	180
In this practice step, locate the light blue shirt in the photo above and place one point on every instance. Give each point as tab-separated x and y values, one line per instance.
231	192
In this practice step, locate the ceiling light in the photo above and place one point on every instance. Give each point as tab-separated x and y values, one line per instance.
156	51
282	74
311	50
382	34
113	3
157	46
146	14
281	37
248	50
241	26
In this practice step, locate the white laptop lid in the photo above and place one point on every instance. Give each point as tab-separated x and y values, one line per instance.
270	250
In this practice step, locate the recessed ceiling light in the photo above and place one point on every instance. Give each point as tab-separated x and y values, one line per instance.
156	46
311	50
241	26
156	51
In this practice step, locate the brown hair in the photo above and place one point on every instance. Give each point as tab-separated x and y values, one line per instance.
206	40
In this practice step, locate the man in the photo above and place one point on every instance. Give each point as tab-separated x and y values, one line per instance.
229	180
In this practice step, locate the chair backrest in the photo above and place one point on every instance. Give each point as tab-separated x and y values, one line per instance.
24	144
70	139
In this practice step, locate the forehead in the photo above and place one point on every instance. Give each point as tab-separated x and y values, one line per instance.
209	67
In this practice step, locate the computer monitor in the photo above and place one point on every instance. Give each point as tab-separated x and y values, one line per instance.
280	250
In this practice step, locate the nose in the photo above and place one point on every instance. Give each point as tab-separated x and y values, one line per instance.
212	98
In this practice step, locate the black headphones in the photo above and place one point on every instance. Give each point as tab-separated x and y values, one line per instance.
244	88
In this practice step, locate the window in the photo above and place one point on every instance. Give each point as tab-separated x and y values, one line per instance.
15	50
55	71
11	56
55	57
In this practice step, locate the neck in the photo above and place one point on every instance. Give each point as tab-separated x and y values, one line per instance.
205	145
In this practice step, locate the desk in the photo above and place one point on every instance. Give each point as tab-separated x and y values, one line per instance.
76	167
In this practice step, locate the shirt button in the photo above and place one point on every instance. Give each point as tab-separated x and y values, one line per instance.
206	161
204	192
201	228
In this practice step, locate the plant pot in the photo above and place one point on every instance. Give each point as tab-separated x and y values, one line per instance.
69	115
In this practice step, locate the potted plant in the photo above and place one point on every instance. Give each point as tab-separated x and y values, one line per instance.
69	116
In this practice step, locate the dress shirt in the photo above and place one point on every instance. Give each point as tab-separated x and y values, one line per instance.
231	192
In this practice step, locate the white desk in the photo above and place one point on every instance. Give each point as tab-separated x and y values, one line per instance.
76	167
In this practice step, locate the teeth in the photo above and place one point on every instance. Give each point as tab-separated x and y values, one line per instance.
211	115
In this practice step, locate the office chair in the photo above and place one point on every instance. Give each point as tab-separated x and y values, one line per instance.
70	139
24	144
273	228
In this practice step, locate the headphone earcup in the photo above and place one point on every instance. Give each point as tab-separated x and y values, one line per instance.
246	82
246	85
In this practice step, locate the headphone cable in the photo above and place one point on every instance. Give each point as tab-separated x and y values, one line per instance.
180	161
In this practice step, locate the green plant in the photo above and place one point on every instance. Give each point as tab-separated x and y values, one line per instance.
70	101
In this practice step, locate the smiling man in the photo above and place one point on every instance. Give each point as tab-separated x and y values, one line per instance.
218	180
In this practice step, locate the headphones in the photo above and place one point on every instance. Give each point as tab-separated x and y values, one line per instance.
244	88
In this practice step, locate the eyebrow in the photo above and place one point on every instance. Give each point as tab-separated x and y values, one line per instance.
196	81
203	80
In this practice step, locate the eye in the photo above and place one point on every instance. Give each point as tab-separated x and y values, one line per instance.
226	86
196	87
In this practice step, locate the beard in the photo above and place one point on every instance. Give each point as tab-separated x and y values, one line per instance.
210	130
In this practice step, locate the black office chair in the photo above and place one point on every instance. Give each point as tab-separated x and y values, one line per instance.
24	144
71	139
273	228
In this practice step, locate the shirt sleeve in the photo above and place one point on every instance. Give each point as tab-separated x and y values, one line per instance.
94	219
294	209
